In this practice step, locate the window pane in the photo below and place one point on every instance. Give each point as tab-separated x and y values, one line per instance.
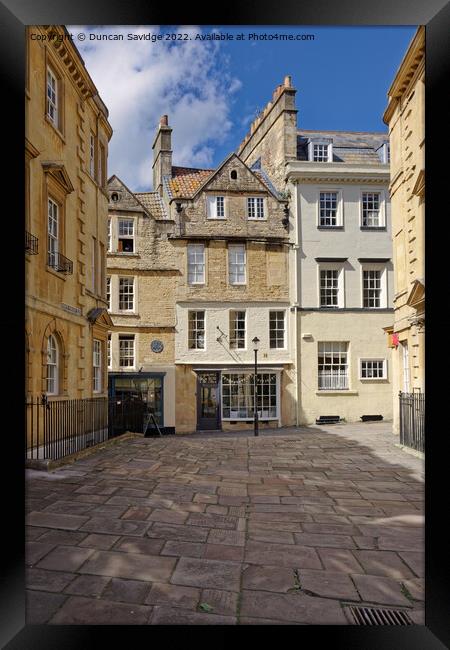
196	330
196	263
237	329
238	396
332	366
277	329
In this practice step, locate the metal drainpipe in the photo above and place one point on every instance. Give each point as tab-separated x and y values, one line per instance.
296	374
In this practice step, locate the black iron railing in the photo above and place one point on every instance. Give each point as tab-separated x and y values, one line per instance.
55	429
60	263
31	243
412	420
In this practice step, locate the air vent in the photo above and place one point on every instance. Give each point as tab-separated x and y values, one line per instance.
376	616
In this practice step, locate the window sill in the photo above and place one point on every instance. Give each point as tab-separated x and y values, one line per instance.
123	313
375	228
330	227
57	274
217	218
380	380
55	128
256	219
337	392
122	253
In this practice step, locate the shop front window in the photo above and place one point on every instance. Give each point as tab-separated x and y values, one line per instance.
147	389
238	396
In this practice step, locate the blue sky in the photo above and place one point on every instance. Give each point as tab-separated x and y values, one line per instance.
212	90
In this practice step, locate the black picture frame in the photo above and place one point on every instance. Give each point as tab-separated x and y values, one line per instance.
14	15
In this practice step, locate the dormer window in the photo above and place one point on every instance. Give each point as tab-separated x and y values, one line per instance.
233	175
320	151
114	197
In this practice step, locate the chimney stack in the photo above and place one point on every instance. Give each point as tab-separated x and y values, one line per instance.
162	154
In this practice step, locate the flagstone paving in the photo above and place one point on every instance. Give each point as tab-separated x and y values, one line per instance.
226	529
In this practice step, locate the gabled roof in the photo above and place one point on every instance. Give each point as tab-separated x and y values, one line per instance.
185	181
114	182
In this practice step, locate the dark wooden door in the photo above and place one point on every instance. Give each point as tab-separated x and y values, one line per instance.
208	401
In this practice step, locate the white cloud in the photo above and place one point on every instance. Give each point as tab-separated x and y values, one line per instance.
139	81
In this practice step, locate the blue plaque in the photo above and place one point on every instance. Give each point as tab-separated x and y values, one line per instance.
157	346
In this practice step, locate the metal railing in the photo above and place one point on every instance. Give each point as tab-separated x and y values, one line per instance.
60	263
412	420
55	429
31	243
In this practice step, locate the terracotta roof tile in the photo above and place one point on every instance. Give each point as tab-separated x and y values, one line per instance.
153	203
185	181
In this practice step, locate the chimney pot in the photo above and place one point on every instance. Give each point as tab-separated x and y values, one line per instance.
288	81
164	121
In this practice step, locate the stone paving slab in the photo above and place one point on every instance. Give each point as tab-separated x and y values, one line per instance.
207	573
228	529
129	565
78	610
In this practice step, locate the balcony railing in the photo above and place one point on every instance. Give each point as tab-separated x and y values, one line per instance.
333	381
31	243
60	263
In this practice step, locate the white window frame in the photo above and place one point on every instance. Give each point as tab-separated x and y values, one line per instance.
109	231
405	366
263	414
372	360
97	365
232	264
328	145
381	268
332	266
337	383
382	208
108	291
109	351
196	269
52	231
256	201
52	97
232	329
339	207
212	205
92	155
130	337
53	361
196	329
284	346
126	236
127	294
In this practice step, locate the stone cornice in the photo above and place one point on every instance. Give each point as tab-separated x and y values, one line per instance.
307	172
413	58
76	69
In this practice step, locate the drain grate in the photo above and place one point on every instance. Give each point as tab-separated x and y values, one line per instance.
376	616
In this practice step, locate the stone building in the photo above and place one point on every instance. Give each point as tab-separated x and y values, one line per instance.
341	258
405	117
213	276
142	271
66	206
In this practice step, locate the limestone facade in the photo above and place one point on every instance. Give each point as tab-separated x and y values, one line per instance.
405	117
66	147
207	259
340	234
